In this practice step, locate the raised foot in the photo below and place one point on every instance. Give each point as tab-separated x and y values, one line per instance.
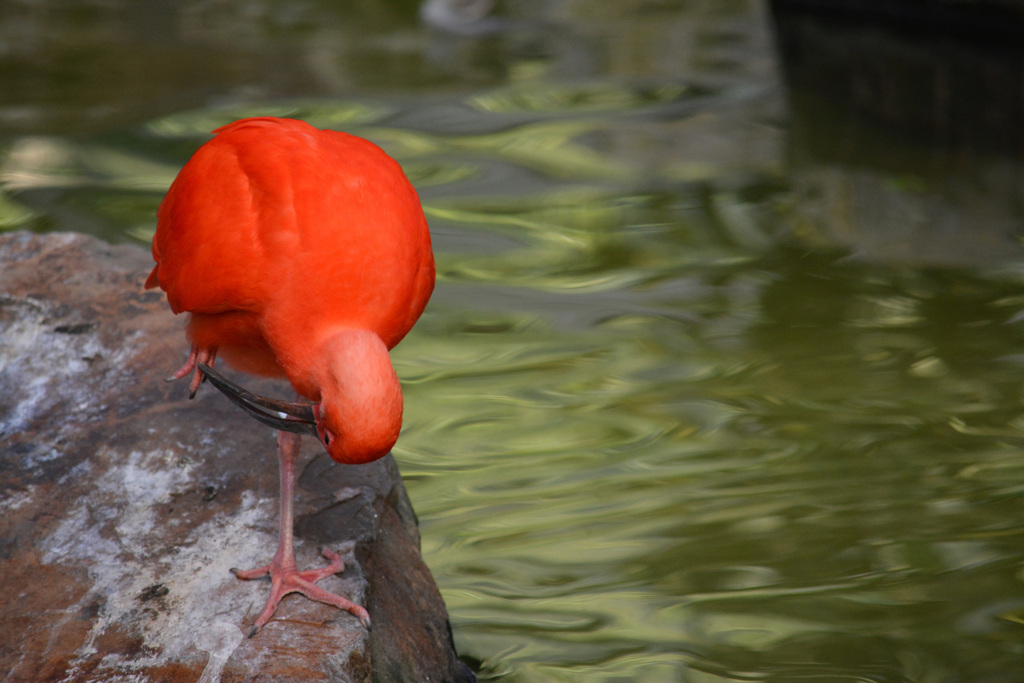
195	356
288	579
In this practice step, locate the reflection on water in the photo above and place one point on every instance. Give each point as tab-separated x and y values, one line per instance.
653	430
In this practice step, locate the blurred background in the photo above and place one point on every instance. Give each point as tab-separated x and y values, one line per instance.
721	378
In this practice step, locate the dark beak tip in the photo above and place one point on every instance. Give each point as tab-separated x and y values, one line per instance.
299	417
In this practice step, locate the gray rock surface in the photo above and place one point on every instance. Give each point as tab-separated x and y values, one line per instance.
123	504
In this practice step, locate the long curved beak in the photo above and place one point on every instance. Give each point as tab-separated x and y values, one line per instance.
287	416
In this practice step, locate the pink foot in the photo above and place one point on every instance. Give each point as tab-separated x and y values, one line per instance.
196	355
288	579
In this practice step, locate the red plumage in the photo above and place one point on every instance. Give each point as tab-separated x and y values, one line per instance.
275	232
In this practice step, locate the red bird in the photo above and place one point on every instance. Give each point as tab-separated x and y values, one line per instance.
303	254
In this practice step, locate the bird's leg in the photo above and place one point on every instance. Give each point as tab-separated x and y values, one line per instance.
195	356
285	576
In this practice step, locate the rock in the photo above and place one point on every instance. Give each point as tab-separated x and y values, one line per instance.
123	504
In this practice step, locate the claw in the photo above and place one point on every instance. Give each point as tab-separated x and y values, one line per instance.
196	357
298	417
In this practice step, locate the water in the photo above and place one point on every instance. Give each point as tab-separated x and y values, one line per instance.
669	416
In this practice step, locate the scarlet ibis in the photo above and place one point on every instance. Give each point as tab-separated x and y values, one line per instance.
302	254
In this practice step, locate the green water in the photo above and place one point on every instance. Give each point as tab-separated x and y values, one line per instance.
660	426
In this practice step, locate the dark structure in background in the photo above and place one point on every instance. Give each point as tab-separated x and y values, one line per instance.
907	124
946	75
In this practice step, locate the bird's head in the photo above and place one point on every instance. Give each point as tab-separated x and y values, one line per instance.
360	410
353	440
